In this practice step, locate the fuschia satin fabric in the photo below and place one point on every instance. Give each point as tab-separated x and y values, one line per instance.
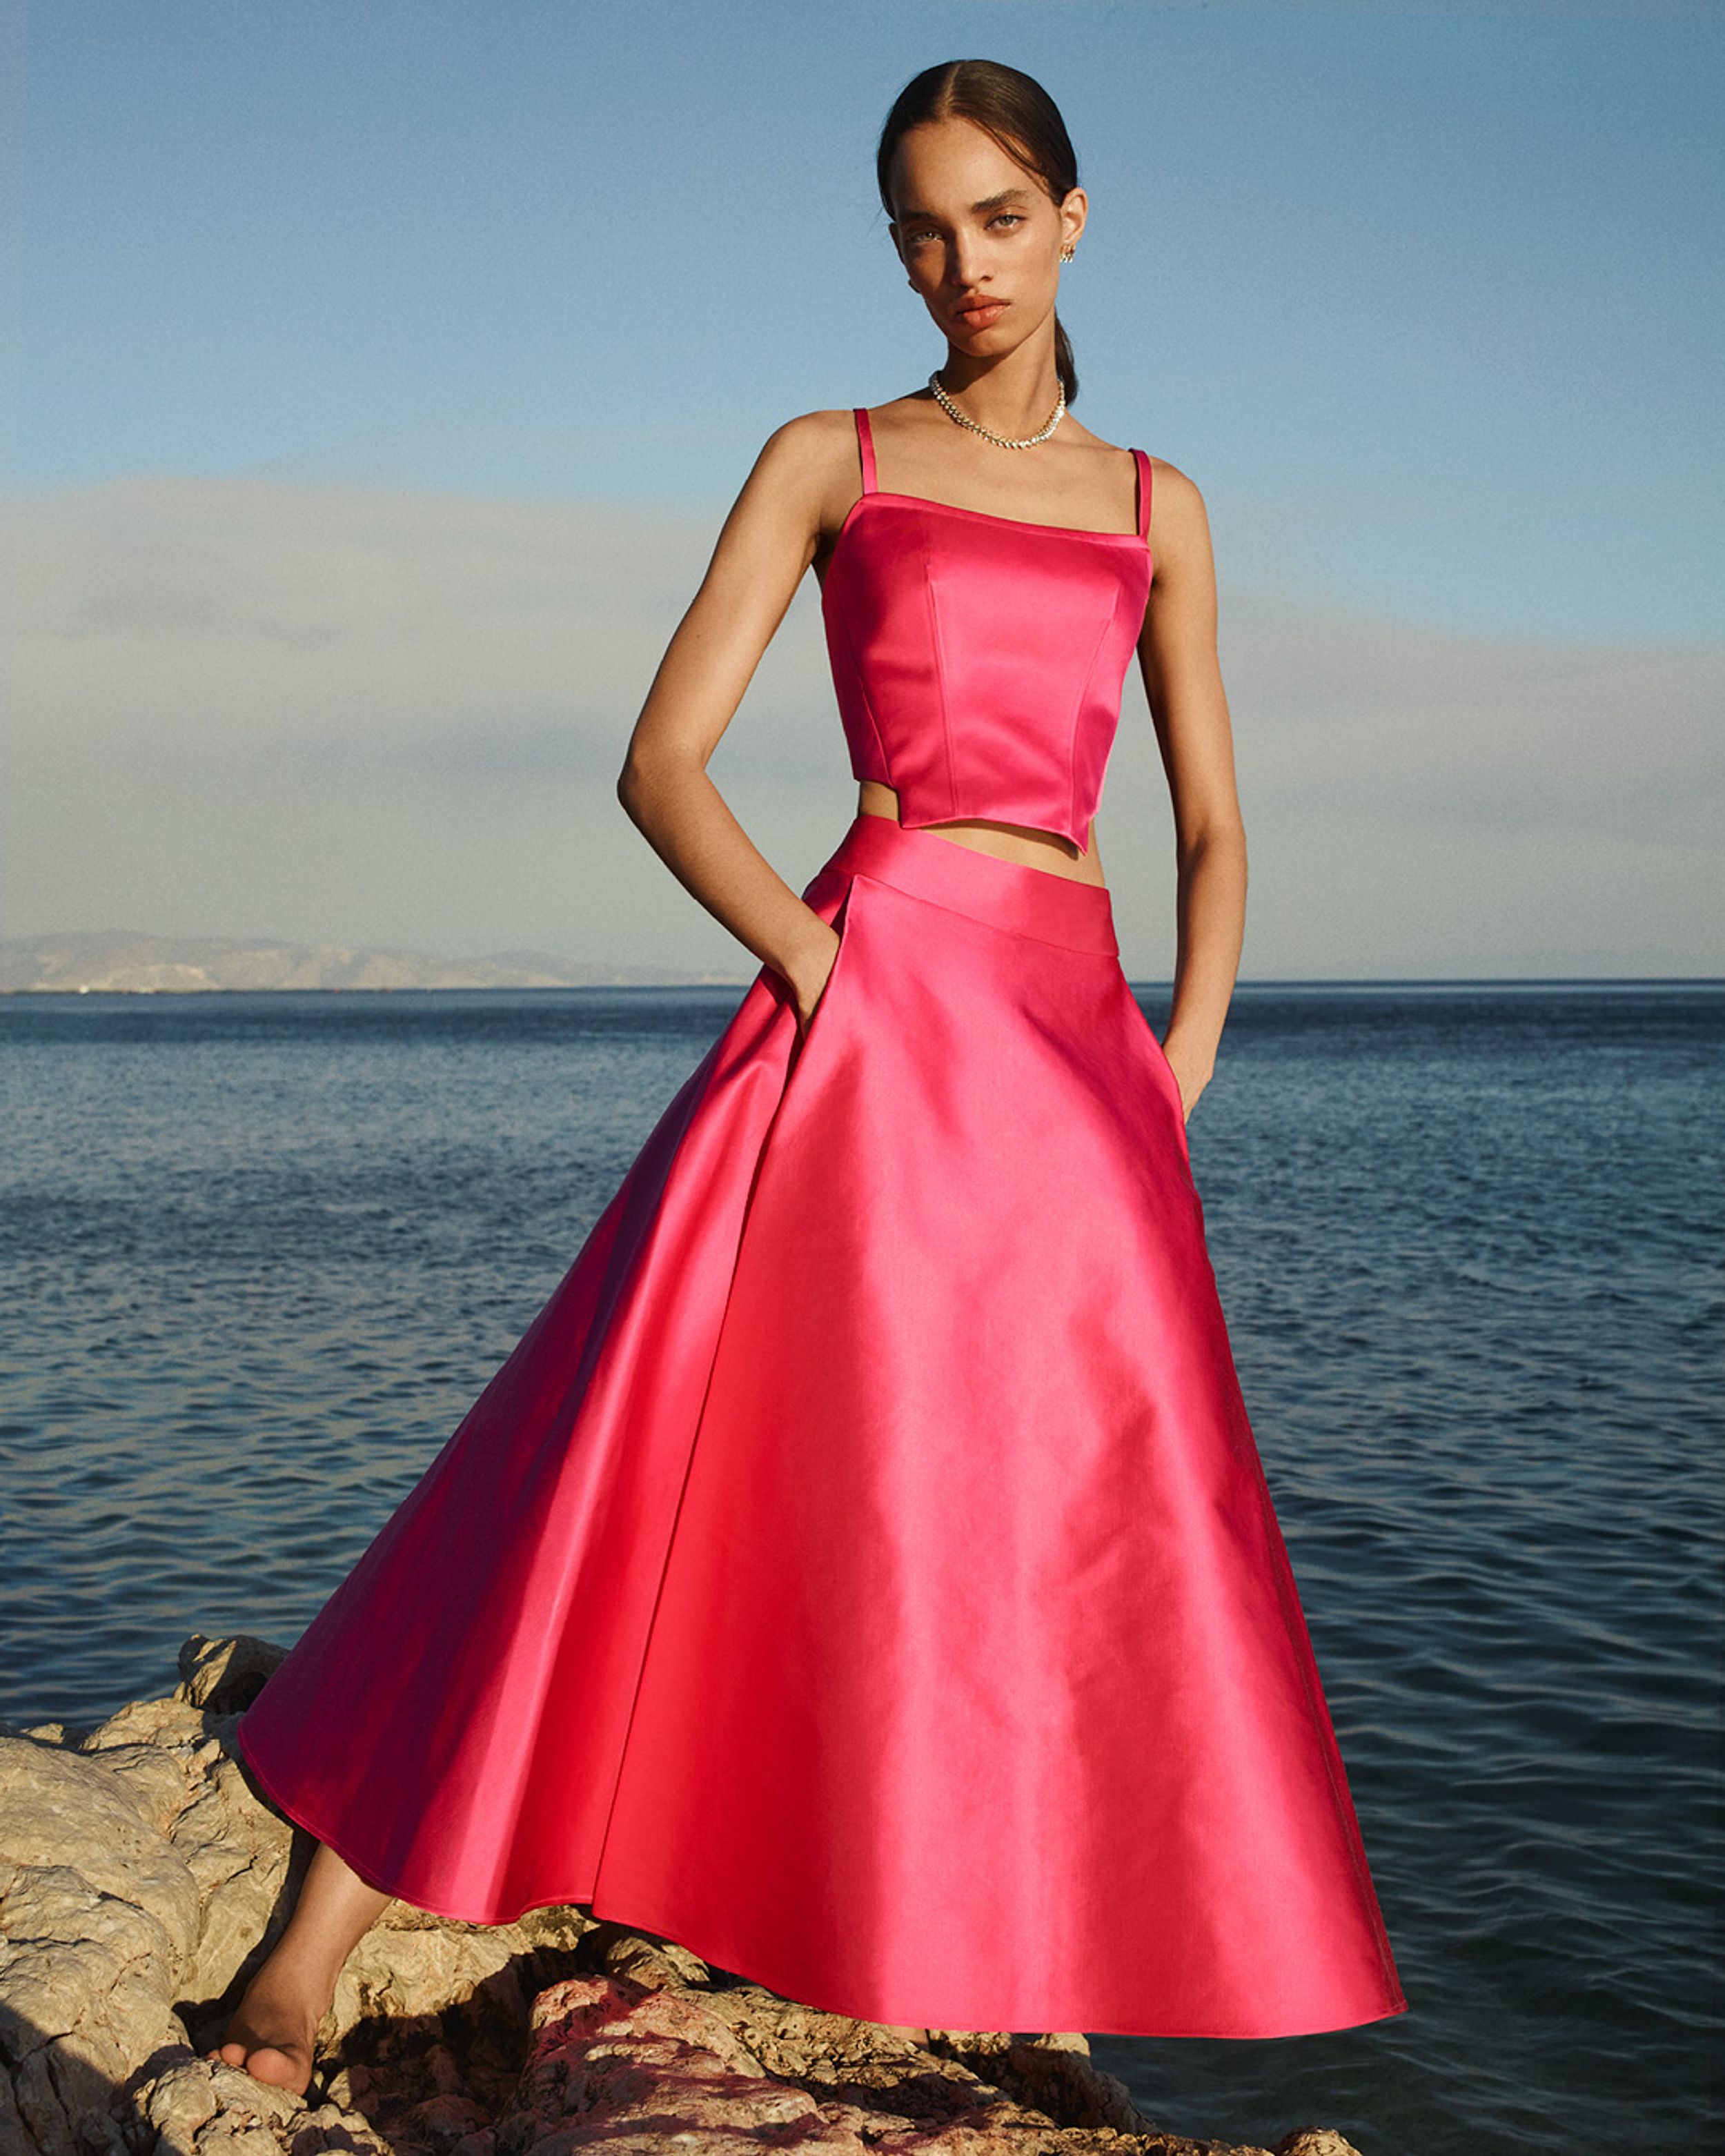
979	661
862	1571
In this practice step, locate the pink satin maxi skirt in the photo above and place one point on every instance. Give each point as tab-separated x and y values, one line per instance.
862	1571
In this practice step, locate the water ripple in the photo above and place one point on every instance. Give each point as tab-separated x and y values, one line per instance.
259	1254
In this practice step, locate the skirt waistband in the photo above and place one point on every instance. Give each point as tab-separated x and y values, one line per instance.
1010	895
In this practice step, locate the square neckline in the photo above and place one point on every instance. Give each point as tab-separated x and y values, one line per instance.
1141	539
865	444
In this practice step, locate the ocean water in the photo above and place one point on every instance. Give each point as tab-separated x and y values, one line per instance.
258	1253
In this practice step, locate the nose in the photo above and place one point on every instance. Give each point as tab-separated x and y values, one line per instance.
963	260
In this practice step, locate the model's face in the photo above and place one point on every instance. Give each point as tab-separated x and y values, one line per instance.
978	234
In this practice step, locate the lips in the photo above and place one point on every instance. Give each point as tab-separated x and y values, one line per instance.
979	316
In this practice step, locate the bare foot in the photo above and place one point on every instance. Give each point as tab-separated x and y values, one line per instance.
272	2033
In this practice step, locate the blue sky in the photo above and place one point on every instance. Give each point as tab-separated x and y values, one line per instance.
1428	302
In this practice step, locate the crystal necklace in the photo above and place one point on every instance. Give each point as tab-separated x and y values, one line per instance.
1000	441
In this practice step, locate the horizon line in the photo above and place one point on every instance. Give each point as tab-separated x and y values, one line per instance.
711	981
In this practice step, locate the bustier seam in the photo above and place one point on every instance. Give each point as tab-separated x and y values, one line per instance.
938	647
1080	838
860	679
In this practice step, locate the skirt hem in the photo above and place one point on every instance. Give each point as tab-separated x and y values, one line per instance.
636	1921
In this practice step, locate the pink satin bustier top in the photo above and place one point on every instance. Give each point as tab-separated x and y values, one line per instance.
979	661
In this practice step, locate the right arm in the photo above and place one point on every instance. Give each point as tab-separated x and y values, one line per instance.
766	543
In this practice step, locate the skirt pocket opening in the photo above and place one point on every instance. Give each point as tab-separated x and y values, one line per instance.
840	921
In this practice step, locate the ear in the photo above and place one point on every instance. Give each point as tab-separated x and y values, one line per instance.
1075	211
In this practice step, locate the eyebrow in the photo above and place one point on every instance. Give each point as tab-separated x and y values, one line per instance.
989	202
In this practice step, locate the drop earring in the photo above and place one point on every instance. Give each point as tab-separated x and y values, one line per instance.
1066	253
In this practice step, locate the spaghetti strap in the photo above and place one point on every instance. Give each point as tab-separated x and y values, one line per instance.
865	444
1143	494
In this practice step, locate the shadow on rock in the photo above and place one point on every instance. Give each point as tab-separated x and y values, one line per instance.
143	1878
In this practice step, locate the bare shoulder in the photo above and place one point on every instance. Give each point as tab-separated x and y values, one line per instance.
784	515
801	487
1179	525
810	457
1176	497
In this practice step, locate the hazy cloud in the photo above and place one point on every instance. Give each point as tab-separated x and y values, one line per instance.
1480	733
381	715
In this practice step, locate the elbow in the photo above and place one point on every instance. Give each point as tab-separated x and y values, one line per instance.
636	783
646	780
1222	834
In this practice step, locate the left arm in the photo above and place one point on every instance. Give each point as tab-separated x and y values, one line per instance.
1182	679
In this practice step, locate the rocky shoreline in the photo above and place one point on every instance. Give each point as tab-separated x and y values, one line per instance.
142	1878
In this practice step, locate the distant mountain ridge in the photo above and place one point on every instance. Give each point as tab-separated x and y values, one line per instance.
121	961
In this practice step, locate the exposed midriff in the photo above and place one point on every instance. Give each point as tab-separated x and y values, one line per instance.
1007	842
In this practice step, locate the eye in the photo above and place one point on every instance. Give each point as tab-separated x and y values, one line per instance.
916	235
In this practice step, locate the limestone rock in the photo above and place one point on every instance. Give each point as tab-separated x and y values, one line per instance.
99	1916
142	1879
224	1676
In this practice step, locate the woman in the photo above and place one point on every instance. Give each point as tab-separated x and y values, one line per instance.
956	1671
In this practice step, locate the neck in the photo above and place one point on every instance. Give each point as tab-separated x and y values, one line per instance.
1015	395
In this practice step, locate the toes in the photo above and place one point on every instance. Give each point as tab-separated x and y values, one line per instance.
273	2063
269	2063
